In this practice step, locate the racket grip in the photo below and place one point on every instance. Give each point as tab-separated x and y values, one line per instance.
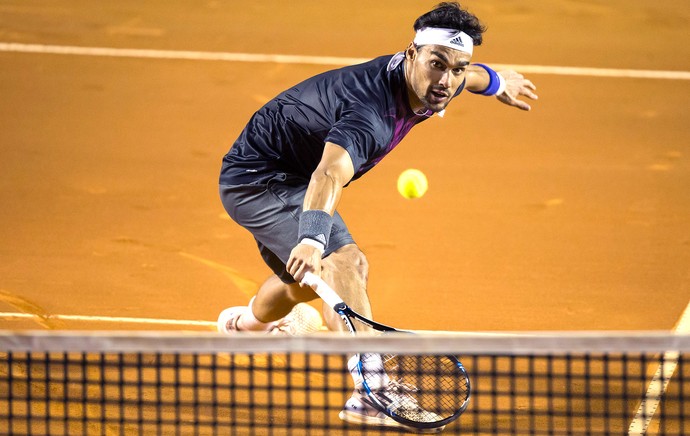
322	289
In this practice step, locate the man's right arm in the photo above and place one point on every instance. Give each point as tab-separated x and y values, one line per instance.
334	171
323	194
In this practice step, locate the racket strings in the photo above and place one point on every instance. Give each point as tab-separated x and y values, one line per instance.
398	399
429	387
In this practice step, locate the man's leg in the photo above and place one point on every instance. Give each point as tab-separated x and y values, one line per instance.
276	299
274	307
347	271
270	214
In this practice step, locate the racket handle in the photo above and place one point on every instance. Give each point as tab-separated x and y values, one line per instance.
322	289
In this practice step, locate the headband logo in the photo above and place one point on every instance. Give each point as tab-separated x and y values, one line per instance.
451	38
457	40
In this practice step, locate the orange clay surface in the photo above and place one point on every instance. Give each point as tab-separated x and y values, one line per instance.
574	216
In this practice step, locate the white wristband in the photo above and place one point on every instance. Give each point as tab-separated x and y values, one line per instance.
501	84
316	244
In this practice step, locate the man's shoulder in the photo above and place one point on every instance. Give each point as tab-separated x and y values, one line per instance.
378	64
369	81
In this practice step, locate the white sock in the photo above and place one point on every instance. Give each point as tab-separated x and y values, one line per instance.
372	364
248	321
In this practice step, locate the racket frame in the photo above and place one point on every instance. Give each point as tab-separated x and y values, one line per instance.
346	313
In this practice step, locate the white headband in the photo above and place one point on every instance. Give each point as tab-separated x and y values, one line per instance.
446	37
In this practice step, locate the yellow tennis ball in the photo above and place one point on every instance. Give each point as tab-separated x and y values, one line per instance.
412	183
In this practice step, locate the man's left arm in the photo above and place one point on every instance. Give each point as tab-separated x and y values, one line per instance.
508	86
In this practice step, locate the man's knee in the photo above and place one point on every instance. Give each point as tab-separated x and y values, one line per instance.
350	260
360	262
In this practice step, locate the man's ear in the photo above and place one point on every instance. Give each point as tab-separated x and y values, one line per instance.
411	52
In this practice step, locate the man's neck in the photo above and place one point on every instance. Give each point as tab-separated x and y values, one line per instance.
412	100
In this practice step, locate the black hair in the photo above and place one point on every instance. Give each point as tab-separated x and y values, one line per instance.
450	15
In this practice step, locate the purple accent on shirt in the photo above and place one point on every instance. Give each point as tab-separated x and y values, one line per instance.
405	120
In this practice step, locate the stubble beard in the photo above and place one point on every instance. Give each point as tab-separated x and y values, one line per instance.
434	107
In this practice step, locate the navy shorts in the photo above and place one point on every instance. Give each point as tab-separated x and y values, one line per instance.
270	211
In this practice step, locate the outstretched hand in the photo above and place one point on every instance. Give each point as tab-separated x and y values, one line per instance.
516	86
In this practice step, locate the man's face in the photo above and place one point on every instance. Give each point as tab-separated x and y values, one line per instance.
434	73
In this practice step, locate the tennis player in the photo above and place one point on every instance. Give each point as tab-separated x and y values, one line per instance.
284	176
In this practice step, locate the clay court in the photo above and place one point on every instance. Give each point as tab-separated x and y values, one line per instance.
575	216
115	116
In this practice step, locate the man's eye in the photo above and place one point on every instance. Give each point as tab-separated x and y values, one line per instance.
458	71
437	64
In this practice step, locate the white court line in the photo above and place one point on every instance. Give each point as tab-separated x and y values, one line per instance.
660	380
316	60
114	319
10	316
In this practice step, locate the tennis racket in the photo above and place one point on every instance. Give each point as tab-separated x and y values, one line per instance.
425	392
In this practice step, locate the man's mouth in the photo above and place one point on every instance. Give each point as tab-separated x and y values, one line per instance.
438	96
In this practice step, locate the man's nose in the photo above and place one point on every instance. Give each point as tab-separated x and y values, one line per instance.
444	80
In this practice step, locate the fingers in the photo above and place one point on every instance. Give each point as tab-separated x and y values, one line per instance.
522	105
523	87
530	95
303	259
527	90
518	86
298	269
528	83
512	101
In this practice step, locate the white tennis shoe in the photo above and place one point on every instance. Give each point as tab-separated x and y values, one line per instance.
360	409
302	319
227	320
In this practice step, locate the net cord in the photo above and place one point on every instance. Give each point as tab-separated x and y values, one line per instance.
528	343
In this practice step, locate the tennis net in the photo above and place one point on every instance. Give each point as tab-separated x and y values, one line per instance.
205	384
